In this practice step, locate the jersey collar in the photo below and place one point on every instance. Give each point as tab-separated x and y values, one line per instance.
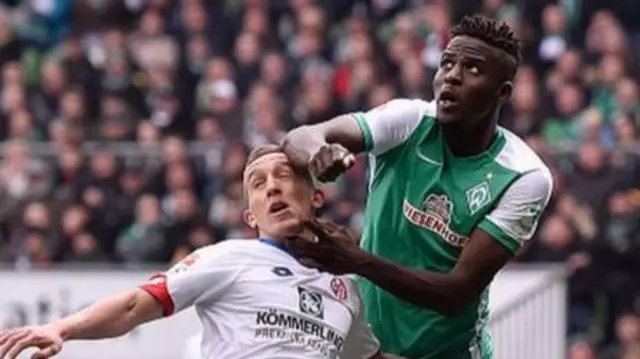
278	245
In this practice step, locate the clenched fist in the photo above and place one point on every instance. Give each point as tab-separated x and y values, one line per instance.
330	161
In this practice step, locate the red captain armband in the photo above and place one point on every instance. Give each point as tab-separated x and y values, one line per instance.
156	286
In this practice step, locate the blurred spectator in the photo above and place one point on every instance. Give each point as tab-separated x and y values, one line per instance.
143	240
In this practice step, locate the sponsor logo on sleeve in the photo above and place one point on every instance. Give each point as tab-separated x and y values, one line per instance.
185	263
338	288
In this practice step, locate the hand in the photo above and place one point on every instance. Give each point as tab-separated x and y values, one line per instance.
330	161
46	338
335	251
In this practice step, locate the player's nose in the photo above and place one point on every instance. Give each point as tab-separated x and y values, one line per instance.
454	76
273	187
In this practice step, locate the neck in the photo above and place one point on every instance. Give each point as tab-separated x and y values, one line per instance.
275	239
465	141
278	243
282	238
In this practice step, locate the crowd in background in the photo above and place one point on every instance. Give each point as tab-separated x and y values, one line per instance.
127	122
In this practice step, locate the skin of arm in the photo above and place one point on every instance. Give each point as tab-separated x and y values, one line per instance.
447	293
304	141
111	317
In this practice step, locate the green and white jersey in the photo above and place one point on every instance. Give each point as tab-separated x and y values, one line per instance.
423	205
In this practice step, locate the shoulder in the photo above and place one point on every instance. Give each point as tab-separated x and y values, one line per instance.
518	156
404	105
229	249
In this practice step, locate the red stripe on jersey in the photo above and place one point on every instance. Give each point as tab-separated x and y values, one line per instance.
157	288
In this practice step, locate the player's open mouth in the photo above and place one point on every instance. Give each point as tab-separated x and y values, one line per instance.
278	207
447	99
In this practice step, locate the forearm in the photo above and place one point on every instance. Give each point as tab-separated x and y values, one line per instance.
302	142
306	140
108	318
442	292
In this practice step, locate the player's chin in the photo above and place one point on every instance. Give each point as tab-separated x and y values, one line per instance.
288	227
447	117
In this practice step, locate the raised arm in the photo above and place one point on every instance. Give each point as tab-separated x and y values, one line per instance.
304	141
325	146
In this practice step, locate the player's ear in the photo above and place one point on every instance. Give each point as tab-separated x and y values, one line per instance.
249	219
317	199
505	91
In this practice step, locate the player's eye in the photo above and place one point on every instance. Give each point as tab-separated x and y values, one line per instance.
285	174
257	183
446	64
474	70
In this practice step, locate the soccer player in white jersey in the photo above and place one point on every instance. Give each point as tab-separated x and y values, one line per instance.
253	297
452	198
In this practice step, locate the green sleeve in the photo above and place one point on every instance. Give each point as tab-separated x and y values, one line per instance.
499	235
366	131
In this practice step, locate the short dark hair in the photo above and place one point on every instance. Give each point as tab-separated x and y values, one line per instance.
263	150
495	33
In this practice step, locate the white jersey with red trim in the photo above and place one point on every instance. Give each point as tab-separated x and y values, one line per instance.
256	301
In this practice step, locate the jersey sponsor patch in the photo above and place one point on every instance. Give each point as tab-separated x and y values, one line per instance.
310	302
282	327
434	215
529	219
338	288
185	263
478	197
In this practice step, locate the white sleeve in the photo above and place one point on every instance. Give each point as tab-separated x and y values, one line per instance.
516	217
201	277
360	342
390	124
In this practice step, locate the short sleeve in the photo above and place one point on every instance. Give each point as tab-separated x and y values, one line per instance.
360	342
515	219
392	123
201	277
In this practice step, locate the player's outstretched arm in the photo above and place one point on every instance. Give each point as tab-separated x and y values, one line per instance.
447	293
107	318
328	147
494	241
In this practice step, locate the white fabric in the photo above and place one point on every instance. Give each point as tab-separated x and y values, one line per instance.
392	123
521	206
256	301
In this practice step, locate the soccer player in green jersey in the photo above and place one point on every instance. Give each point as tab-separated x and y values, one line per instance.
452	198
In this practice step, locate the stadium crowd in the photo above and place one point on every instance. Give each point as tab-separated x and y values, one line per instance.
126	124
